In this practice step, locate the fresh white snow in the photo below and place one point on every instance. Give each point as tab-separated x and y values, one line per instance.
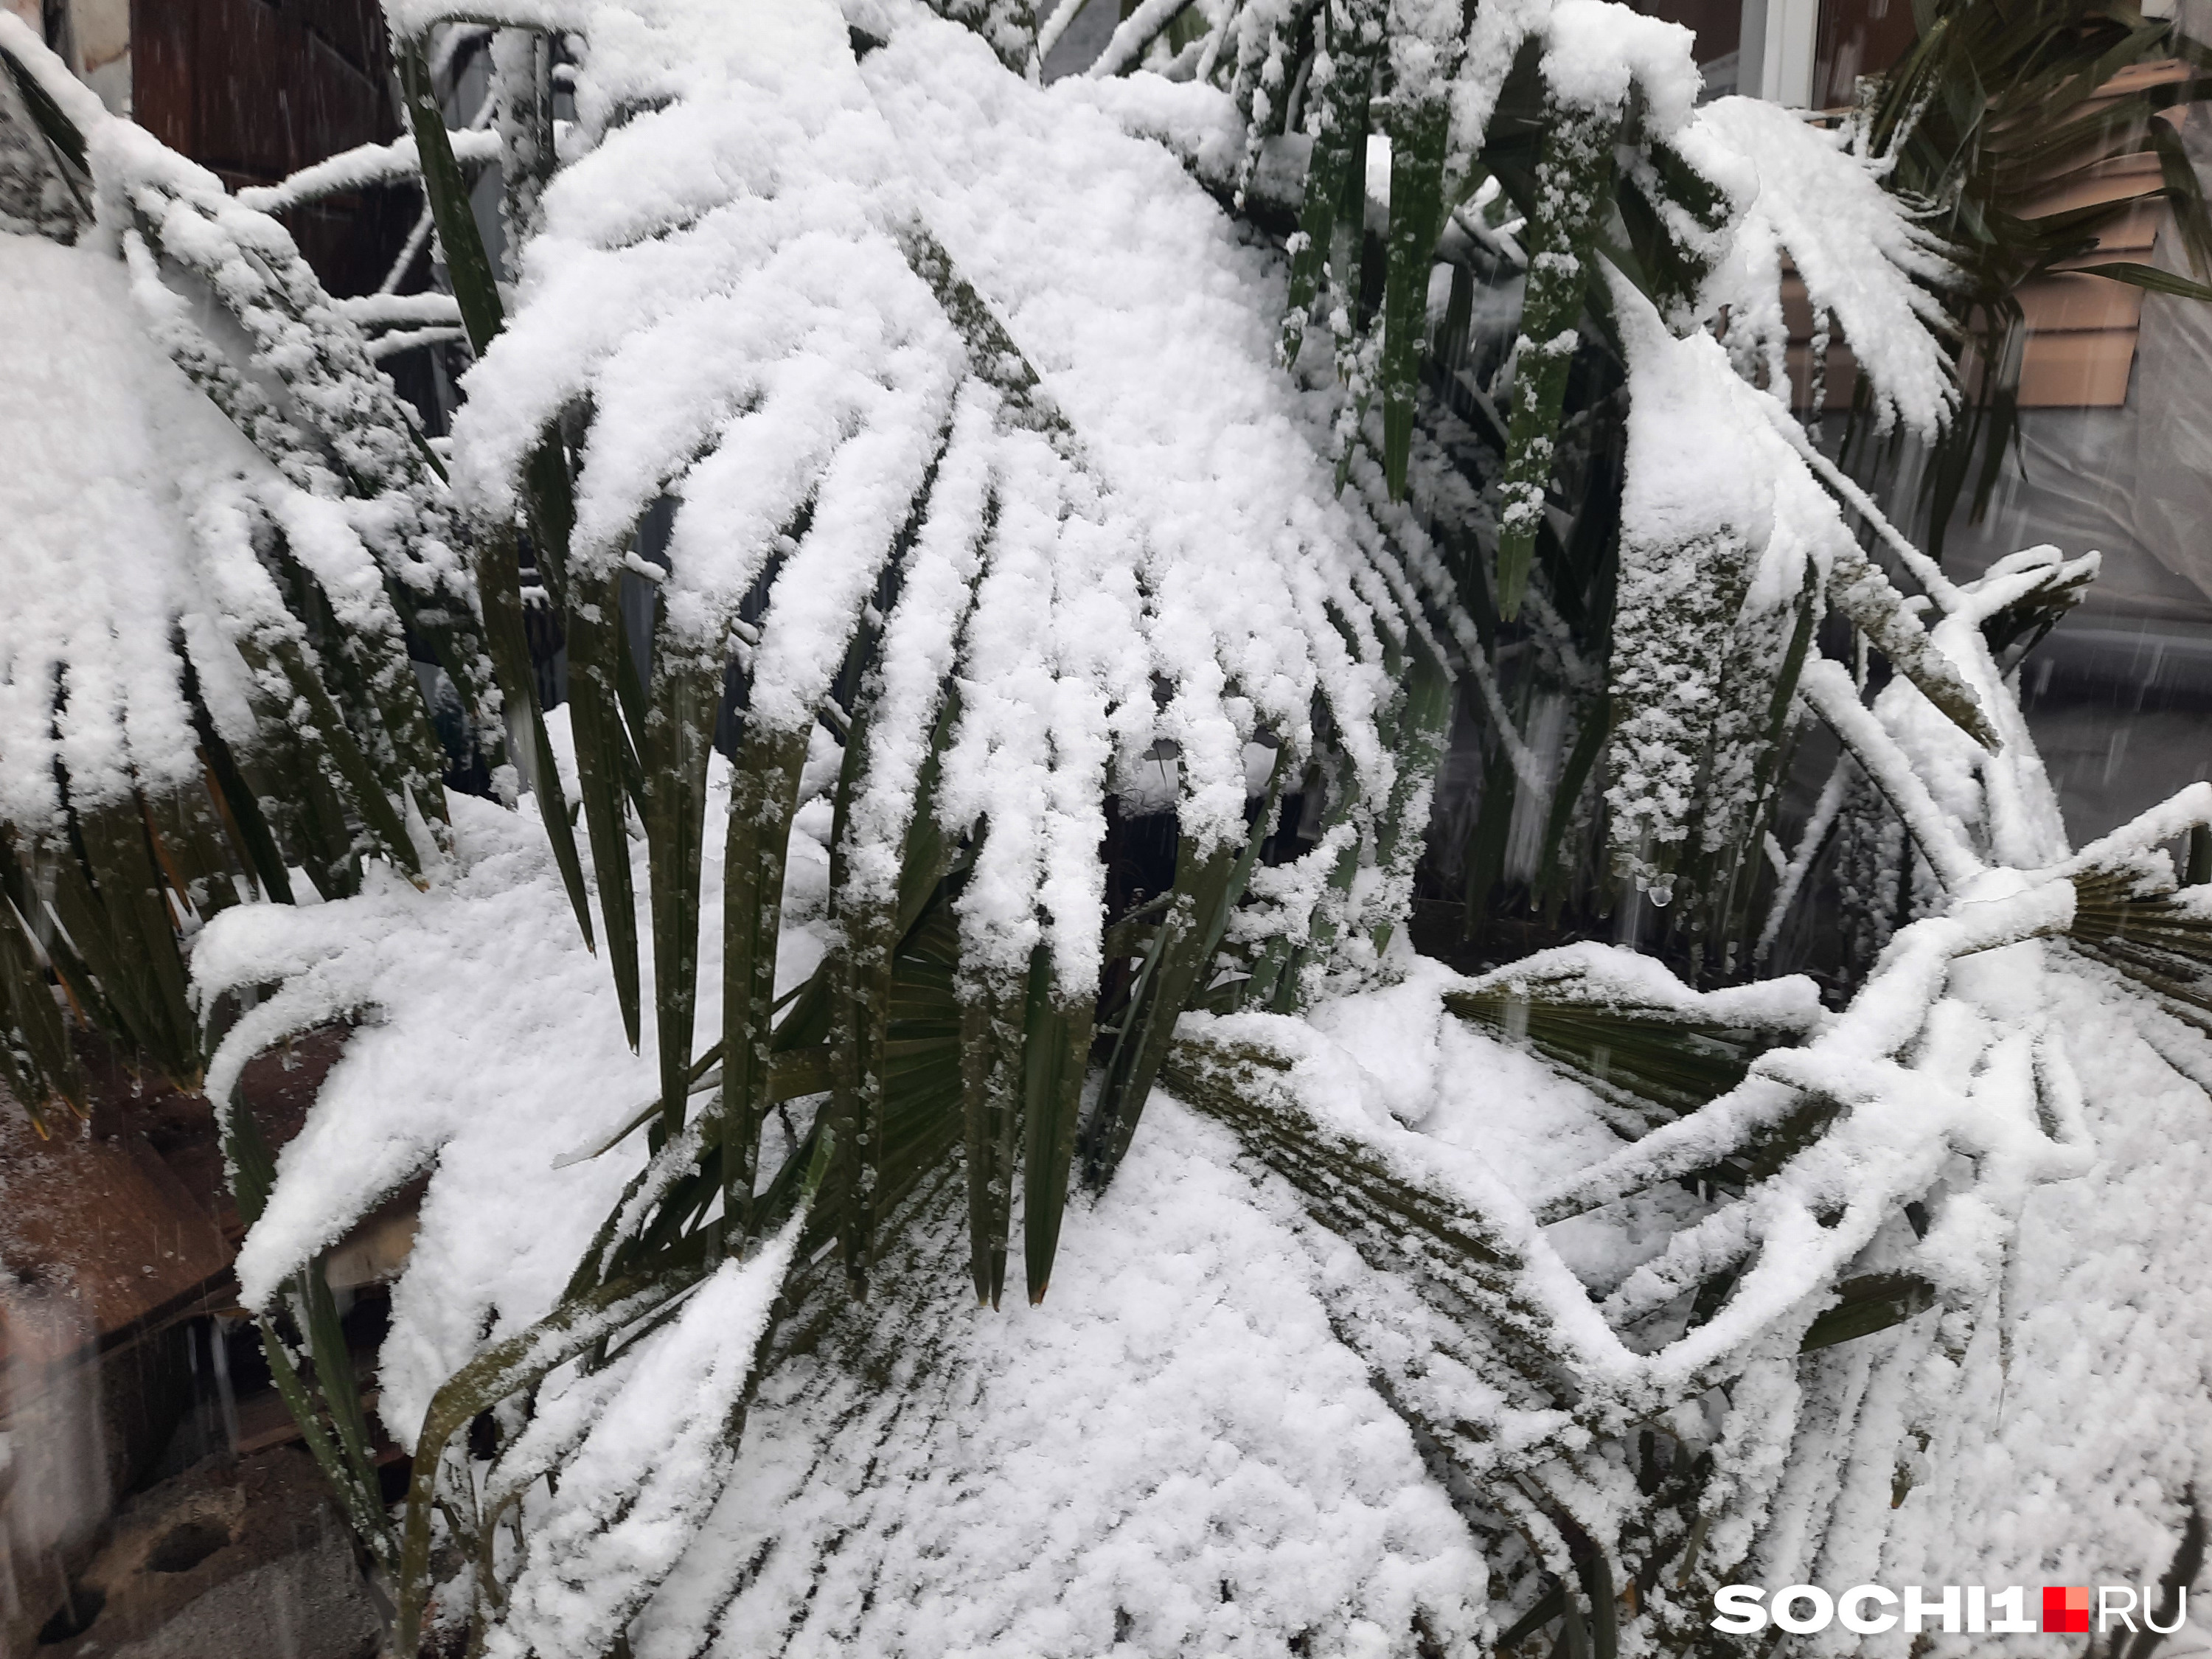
1132	561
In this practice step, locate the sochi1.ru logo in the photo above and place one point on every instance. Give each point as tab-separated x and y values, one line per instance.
1870	1610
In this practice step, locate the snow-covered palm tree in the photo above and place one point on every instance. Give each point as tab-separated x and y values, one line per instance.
929	472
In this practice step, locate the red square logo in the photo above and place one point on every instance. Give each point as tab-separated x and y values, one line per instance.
2065	1609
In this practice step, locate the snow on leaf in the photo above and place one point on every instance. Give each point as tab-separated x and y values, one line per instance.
1822	206
770	288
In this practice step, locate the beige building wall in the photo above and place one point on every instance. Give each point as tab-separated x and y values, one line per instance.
96	40
100	42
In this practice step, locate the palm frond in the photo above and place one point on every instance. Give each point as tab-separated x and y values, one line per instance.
2159	936
1644	1046
827	409
260	714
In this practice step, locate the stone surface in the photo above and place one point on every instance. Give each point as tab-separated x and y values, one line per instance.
239	1558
